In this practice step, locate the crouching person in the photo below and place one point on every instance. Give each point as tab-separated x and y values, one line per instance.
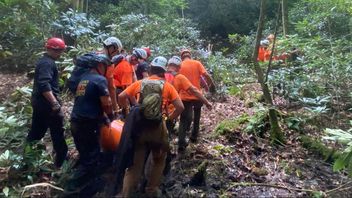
155	94
92	101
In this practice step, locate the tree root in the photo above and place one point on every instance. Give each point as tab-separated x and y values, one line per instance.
40	185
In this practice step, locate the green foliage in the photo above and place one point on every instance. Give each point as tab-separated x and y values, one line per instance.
323	17
74	25
165	37
319	148
258	123
24	27
344	161
226	127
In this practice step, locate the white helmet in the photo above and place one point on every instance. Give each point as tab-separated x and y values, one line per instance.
113	41
159	62
175	60
140	53
265	42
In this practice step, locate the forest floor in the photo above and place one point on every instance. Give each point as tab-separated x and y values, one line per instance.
239	164
244	165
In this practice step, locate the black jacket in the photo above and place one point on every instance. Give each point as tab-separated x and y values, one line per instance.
46	78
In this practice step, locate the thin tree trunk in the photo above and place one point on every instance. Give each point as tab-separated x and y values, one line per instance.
276	135
284	17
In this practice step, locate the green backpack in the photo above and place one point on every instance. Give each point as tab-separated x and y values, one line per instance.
151	100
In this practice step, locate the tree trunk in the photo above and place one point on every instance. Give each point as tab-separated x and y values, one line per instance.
284	17
276	135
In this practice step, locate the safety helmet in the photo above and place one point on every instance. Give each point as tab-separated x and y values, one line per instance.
175	60
113	41
117	59
102	58
185	51
140	53
149	52
55	43
92	60
110	135
264	42
159	62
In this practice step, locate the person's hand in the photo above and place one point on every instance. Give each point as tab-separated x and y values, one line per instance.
209	106
55	107
107	121
212	89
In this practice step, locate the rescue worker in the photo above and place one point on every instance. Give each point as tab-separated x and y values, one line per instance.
124	73
181	83
262	53
193	70
143	66
150	137
92	103
112	47
46	104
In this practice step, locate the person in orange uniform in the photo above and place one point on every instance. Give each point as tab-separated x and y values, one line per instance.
150	137
112	47
124	74
262	53
193	70
181	83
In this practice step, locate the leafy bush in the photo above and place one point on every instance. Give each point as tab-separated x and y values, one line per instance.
344	161
165	37
24	27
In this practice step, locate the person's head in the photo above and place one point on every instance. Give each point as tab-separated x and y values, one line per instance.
112	46
139	55
174	63
55	47
100	63
158	66
264	43
186	54
270	37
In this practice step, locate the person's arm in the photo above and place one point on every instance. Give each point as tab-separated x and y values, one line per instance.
194	91
107	106
112	93
178	109
49	96
45	75
123	99
210	81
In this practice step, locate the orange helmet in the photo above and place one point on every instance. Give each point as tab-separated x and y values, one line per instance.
110	135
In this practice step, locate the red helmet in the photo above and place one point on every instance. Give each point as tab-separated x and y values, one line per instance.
55	43
149	52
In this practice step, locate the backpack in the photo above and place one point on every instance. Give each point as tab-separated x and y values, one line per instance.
151	99
83	65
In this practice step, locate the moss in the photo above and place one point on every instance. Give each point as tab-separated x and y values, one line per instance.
319	148
228	126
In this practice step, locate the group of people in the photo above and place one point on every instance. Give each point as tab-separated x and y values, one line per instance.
150	97
266	49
